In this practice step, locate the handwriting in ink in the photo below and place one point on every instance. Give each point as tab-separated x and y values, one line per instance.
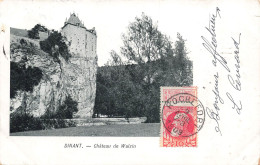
211	47
235	105
213	114
236	83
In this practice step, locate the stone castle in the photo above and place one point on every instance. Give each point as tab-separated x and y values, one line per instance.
82	41
83	47
76	78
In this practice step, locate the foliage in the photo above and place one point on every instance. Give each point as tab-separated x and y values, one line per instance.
55	45
23	78
64	111
67	109
24	122
57	123
132	88
115	92
144	42
34	32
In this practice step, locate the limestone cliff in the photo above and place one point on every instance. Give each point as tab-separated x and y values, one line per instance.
58	80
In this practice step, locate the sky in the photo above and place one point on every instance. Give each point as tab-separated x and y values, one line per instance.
111	18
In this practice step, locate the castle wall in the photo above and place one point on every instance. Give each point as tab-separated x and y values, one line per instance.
91	44
43	35
84	60
75	35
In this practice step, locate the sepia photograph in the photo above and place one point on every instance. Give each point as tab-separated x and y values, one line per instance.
123	82
58	84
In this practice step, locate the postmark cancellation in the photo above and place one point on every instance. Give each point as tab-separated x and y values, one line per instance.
182	116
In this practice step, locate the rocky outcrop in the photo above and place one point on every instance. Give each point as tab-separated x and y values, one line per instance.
58	81
79	79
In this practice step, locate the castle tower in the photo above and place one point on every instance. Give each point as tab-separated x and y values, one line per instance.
83	64
83	41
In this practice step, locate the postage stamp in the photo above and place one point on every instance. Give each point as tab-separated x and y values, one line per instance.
182	116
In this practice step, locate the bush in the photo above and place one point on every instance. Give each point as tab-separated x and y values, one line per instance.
21	120
24	122
64	111
55	45
67	109
23	78
57	123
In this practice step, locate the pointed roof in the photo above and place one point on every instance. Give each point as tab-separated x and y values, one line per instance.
74	20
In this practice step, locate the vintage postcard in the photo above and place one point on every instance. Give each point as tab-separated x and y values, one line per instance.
129	82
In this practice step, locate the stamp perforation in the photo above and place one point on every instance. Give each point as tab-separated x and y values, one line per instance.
178	118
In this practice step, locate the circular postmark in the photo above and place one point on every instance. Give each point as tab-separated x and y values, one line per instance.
183	121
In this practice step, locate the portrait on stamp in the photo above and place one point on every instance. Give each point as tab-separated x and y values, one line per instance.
182	116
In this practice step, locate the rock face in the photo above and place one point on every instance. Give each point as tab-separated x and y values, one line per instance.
58	81
79	79
79	76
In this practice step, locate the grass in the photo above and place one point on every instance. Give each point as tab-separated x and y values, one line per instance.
19	32
126	130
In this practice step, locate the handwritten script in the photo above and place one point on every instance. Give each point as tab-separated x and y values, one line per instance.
219	61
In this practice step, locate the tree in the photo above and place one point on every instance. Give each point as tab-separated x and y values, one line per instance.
144	43
55	45
132	87
34	32
184	65
146	46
